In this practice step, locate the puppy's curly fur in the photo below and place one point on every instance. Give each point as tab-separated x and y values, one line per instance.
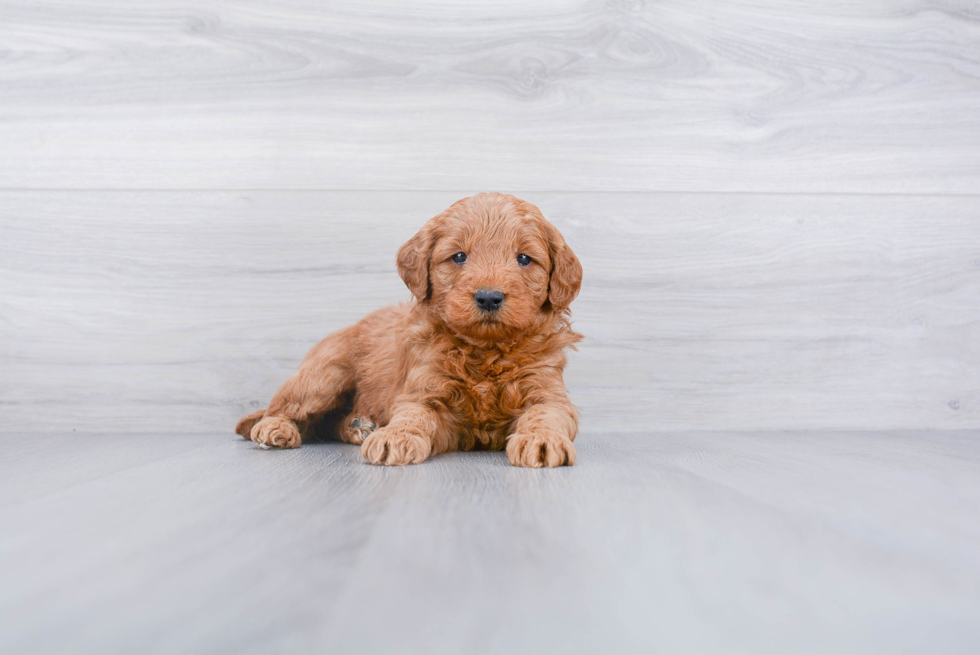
451	371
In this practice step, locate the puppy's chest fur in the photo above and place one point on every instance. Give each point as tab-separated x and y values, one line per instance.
485	391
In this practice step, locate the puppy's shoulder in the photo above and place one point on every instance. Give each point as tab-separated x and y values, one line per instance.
391	320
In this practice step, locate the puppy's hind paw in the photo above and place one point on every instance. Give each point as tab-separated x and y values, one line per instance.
276	432
244	426
358	429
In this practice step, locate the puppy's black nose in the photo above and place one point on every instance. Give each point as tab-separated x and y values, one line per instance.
489	299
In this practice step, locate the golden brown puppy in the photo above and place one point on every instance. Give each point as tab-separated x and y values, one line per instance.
475	362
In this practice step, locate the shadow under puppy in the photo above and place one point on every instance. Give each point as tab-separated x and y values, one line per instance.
474	363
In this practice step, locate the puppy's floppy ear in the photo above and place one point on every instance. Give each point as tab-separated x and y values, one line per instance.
566	271
413	261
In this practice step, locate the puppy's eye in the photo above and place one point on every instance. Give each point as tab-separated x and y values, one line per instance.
524	260
459	257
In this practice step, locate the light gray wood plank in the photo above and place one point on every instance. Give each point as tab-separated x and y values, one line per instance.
740	96
808	542
146	311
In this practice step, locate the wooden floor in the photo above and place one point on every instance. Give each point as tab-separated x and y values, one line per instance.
777	207
808	542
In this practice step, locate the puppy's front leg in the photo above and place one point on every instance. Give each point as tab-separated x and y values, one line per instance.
407	439
543	435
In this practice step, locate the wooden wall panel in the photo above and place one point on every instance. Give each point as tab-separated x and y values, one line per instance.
621	95
140	310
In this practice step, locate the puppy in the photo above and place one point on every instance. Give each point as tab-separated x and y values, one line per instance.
474	363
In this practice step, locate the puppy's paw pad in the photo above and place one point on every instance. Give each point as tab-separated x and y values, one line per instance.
541	450
386	447
359	428
276	432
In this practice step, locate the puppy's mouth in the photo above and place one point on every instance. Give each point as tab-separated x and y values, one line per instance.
484	324
494	321
492	325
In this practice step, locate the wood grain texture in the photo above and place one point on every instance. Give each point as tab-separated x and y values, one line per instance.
703	542
622	95
777	205
181	311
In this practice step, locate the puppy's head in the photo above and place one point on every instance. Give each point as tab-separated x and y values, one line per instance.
490	265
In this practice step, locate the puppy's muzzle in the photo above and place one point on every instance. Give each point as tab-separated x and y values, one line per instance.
489	300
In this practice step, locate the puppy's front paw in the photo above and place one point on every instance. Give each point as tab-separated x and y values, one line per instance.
276	432
540	449
391	448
